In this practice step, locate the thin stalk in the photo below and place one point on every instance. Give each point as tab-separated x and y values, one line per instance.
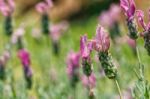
141	67
74	93
118	87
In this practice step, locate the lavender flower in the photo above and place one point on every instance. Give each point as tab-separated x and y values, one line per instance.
7	10
85	50
146	28
3	60
101	44
56	31
25	59
73	67
110	17
17	37
43	8
128	7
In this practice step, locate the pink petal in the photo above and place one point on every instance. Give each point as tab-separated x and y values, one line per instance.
140	15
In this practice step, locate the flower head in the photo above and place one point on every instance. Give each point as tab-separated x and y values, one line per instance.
56	30
128	7
72	63
17	34
7	8
131	42
101	43
43	7
89	82
24	57
110	17
85	47
140	15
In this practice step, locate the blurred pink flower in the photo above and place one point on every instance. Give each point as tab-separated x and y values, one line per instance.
89	82
36	33
101	43
131	42
85	47
44	6
24	57
128	6
7	8
17	34
115	12
105	19
140	15
108	18
5	57
73	60
56	30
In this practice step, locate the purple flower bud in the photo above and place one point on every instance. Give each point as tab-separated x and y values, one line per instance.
89	81
85	51
85	47
24	57
128	7
101	43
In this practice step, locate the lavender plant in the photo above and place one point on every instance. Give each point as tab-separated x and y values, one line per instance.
85	50
24	56
56	31
7	8
73	65
101	44
141	90
43	8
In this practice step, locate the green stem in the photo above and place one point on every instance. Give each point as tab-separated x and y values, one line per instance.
141	67
118	87
138	55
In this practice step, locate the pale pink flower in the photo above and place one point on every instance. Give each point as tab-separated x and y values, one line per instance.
115	12
17	35
110	17
44	6
36	33
89	82
73	60
101	43
56	30
131	42
5	57
7	8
